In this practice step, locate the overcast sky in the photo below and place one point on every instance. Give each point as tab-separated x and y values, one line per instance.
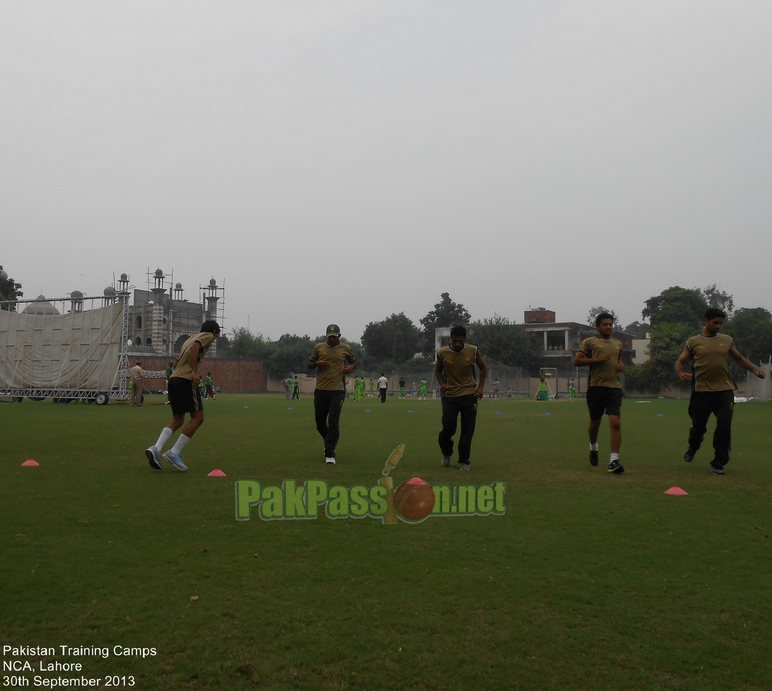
341	160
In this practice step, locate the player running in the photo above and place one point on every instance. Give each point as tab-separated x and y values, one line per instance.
185	397
602	354
712	387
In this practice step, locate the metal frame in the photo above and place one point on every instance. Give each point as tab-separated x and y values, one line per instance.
118	372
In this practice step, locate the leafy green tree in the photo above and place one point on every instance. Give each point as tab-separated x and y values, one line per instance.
9	291
667	343
637	378
290	354
595	311
637	329
395	339
676	305
243	343
445	313
506	342
751	328
718	298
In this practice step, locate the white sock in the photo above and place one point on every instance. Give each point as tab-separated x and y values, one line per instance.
594	447
166	433
614	457
180	445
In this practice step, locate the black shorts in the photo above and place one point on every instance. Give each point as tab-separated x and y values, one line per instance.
604	399
184	397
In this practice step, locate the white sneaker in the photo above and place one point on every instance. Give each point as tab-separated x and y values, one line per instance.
175	458
153	457
329	460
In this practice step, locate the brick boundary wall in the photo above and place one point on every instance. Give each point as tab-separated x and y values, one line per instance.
231	375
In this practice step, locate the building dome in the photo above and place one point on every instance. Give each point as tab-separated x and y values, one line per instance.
40	306
124	277
109	292
76	295
212	283
178	286
159	273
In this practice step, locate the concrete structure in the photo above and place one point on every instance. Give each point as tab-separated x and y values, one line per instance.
560	340
442	336
161	319
641	350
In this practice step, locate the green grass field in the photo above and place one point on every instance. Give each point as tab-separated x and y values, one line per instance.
589	580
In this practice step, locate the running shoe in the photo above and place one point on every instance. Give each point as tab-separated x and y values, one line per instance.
153	458
175	458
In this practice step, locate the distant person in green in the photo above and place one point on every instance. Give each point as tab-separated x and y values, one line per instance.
295	388
571	390
333	360
210	386
356	387
424	384
712	387
371	387
455	375
542	387
402	387
361	388
603	355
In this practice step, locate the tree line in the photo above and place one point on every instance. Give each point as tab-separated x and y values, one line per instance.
396	342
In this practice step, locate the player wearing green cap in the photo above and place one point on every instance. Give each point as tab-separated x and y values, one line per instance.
333	360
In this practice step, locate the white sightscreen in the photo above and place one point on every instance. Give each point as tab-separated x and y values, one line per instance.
79	350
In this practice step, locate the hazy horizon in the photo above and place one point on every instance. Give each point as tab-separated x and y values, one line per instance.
343	161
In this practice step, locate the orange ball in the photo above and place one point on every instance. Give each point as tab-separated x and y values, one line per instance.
414	499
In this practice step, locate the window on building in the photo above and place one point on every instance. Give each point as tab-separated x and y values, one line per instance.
556	340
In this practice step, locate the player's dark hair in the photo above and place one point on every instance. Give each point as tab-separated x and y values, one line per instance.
210	326
458	331
602	316
713	312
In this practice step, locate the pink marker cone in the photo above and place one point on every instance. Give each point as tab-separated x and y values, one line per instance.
216	473
676	490
30	462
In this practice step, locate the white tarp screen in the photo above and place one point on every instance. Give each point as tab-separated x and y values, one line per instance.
79	350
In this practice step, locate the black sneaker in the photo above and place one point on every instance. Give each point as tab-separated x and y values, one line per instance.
615	467
689	455
593	457
717	470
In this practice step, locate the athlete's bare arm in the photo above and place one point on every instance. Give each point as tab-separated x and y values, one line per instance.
683	358
483	374
745	363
